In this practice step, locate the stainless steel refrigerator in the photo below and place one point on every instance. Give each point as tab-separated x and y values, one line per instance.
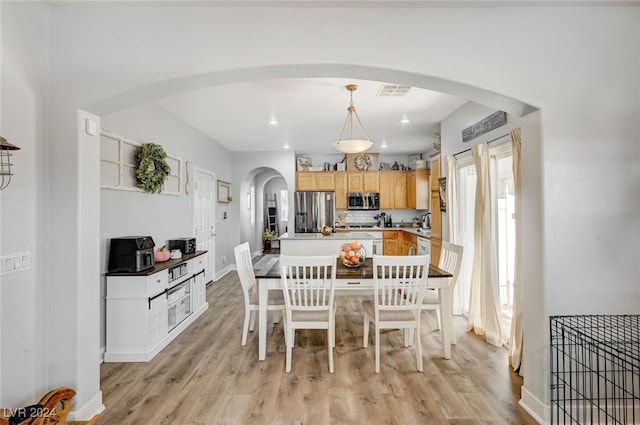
314	210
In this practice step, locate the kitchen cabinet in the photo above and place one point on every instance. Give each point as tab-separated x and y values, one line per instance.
435	172
147	310
436	214
393	190
363	182
400	191
340	181
391	242
418	191
409	240
312	181
436	247
325	182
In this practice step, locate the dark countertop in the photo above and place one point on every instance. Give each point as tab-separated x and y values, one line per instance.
159	266
271	269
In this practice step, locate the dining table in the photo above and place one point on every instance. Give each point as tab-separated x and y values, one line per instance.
349	281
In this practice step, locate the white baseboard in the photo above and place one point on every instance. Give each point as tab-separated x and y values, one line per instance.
89	410
219	275
536	408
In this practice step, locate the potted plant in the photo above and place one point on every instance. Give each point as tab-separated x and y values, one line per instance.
267	235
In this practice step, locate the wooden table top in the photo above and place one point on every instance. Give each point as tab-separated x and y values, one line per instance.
268	267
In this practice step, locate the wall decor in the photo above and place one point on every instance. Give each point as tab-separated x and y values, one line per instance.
366	161
152	168
485	125
442	185
304	163
224	192
119	166
412	160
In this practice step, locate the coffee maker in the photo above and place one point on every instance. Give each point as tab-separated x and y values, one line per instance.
426	221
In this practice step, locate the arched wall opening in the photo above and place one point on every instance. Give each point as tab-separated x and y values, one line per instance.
243	172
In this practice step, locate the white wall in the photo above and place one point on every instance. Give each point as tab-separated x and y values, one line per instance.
24	305
163	217
469	114
575	63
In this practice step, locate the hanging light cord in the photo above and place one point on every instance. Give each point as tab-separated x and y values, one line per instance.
348	122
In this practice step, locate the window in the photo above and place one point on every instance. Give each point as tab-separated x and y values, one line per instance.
284	201
504	226
252	205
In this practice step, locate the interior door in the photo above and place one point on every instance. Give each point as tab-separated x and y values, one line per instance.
204	220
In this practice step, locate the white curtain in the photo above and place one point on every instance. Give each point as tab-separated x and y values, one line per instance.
485	316
453	222
517	334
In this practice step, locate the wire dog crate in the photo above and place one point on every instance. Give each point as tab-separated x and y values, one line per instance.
595	369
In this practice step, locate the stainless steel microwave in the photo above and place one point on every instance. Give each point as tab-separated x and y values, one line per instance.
363	201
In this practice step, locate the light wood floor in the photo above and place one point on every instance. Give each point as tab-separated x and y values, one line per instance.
206	377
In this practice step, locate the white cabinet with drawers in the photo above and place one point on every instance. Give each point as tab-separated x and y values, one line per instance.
147	310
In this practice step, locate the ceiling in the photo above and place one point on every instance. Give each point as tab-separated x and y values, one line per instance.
310	114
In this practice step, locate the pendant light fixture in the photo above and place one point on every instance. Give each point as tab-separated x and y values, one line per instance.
347	143
5	162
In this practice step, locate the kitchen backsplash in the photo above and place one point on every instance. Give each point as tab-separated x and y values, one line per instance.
367	217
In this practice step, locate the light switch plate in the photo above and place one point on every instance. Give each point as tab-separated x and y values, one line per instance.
91	127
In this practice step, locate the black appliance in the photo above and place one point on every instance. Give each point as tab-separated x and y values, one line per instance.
363	201
185	245
131	254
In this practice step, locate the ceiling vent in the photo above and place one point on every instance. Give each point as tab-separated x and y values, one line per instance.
393	90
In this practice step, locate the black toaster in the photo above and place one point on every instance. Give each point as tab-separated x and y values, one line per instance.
185	245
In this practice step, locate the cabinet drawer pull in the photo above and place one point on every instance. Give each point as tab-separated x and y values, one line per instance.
353	283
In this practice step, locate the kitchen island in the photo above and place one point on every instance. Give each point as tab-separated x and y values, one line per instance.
319	244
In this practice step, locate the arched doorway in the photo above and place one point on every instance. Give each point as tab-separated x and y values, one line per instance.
260	190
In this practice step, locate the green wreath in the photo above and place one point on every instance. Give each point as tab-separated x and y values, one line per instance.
152	170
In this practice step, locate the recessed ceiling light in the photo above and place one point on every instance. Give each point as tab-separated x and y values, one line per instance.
286	145
383	145
404	121
273	121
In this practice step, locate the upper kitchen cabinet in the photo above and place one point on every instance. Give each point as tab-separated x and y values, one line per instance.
436	214
418	192
313	181
340	179
363	182
393	190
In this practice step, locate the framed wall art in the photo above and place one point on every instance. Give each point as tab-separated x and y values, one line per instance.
224	192
413	159
304	163
442	185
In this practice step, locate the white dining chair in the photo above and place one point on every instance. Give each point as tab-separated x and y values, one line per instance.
398	284
250	291
450	261
308	287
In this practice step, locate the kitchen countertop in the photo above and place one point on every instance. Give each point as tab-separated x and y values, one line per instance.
423	233
348	235
159	266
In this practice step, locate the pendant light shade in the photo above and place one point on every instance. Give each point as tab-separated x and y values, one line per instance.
347	142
